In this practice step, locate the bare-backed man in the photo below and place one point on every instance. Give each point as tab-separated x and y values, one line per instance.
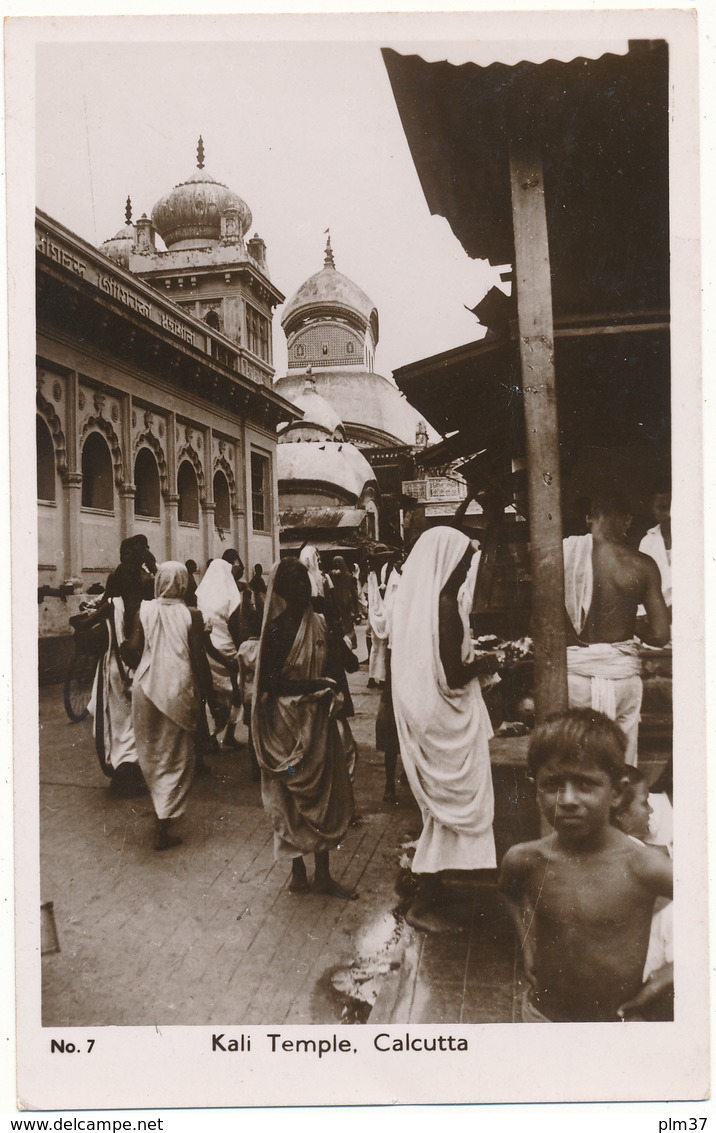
605	584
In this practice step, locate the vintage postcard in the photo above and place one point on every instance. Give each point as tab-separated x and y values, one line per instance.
358	650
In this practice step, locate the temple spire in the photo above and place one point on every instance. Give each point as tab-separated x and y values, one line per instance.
200	153
328	261
128	211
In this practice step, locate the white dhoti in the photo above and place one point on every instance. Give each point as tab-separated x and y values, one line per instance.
606	676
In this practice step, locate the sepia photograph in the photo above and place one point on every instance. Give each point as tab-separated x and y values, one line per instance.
350	678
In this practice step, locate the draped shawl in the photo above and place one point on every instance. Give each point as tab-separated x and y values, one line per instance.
305	784
164	673
443	732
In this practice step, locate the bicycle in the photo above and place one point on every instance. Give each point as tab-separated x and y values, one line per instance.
90	643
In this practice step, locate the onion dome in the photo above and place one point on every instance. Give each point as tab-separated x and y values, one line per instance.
329	288
119	246
190	215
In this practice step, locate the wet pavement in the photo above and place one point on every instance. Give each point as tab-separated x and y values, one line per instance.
207	933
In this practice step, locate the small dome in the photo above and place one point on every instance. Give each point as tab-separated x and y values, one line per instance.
119	246
329	287
316	410
190	215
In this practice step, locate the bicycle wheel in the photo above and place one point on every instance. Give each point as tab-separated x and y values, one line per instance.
78	685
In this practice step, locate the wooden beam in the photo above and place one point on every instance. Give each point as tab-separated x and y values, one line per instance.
536	338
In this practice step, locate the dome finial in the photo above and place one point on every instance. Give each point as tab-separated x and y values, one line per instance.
329	262
128	211
200	153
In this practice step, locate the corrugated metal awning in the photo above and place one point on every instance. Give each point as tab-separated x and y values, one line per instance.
602	128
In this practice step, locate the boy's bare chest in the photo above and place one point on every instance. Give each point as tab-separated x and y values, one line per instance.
597	891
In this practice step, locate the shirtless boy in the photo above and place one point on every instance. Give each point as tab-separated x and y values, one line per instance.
581	898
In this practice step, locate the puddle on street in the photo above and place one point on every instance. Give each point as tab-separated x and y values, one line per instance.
353	989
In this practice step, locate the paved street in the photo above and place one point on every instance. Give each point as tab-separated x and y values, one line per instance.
209	933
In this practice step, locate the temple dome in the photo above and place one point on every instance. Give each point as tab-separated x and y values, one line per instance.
370	407
190	215
330	463
330	288
317	411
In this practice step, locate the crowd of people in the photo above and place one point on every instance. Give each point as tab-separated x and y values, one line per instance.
589	899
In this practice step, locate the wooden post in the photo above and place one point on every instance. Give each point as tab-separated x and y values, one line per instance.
534	317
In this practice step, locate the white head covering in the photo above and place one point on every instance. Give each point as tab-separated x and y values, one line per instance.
217	595
164	672
308	555
428	567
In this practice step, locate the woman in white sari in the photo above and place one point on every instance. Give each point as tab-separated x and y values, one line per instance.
171	675
442	722
219	599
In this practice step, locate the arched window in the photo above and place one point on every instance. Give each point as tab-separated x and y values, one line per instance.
222	501
212	320
188	488
146	484
45	462
97	474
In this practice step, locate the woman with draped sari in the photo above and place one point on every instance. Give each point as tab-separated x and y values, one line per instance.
443	725
305	784
171	675
339	652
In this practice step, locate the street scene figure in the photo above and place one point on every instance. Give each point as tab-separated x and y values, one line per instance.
442	723
305	783
219	599
582	898
605	583
657	541
171	675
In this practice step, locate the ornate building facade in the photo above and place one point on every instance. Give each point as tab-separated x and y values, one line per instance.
151	417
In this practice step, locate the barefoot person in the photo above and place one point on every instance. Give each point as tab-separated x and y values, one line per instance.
582	898
605	582
166	645
305	784
443	725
